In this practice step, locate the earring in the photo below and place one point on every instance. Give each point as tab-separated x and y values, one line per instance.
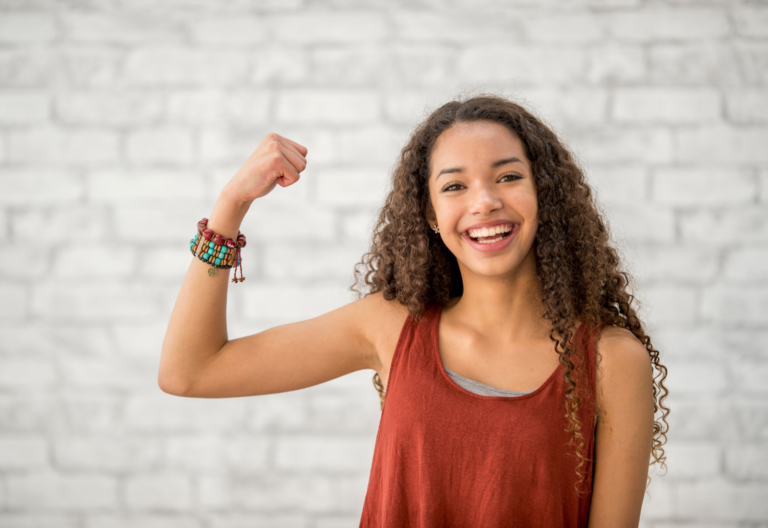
435	228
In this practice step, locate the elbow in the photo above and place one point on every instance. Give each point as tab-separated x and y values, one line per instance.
170	386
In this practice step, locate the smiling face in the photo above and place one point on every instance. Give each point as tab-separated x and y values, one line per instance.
480	177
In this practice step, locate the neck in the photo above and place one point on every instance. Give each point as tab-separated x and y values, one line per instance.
508	307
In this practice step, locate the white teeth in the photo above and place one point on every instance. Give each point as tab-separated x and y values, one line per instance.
484	232
490	241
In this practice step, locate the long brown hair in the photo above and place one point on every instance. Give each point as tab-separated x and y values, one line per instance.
579	270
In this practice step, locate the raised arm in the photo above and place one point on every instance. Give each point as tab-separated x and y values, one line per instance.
196	338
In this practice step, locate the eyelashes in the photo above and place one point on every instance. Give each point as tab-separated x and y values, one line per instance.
515	176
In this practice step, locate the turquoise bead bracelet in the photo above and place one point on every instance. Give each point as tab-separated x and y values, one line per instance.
217	251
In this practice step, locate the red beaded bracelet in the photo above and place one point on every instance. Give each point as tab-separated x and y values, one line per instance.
217	251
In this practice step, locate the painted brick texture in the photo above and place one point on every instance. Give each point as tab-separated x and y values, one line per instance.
121	121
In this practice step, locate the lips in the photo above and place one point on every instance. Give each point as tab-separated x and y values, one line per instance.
495	246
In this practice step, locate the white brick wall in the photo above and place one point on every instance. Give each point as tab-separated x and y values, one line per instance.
121	122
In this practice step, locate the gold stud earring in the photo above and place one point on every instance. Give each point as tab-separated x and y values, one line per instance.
435	228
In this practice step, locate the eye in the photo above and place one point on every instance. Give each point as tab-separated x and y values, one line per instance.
512	175
448	187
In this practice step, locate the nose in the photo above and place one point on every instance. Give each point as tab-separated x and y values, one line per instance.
484	201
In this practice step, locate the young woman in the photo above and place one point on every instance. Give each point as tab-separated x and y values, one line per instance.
517	382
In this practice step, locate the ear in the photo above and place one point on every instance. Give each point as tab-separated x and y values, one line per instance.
430	214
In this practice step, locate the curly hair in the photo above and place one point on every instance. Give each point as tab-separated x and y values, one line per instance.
578	269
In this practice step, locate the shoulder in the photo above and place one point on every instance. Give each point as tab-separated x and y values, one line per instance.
381	322
624	365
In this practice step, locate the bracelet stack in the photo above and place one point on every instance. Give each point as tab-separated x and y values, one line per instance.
216	250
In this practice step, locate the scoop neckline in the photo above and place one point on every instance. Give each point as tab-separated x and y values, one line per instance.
436	352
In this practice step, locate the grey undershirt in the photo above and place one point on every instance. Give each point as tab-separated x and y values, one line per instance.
481	388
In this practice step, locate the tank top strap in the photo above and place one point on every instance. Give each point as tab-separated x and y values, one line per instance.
585	340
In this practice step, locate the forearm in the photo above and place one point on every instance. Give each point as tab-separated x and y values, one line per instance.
198	325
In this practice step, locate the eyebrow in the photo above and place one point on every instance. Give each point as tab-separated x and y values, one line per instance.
493	165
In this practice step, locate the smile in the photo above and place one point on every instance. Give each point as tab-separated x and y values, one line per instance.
491	239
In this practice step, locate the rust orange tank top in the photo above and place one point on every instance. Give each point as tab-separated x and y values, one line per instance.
445	456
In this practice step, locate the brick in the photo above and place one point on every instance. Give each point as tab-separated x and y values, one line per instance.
130	27
669	305
750	21
408	106
88	260
752	418
746	265
358	226
575	107
666	105
620	183
359	186
718	499
160	412
693	460
747	462
577	27
622	145
172	66
310	261
327	106
179	219
753	57
631	224
32	520
289	302
23	373
41	186
616	63
318	26
653	25
712	63
750	376
729	227
23	452
163	145
234	30
764	186
747	106
659	500
24	108
374	144
278	413
323	453
109	453
53	224
681	264
223	144
716	420
209	452
158	491
110	109
722	144
704	186
267	493
94	302
728	304
142	341
523	66
50	144
455	27
126	186
345	411
15	303
712	343
690	378
283	64
28	28
213	106
26	413
24	68
89	412
276	520
276	223
367	66
122	373
48	491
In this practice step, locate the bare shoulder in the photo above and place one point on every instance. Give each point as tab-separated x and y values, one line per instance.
382	321
624	364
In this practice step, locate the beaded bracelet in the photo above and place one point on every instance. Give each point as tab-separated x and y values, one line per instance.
217	251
